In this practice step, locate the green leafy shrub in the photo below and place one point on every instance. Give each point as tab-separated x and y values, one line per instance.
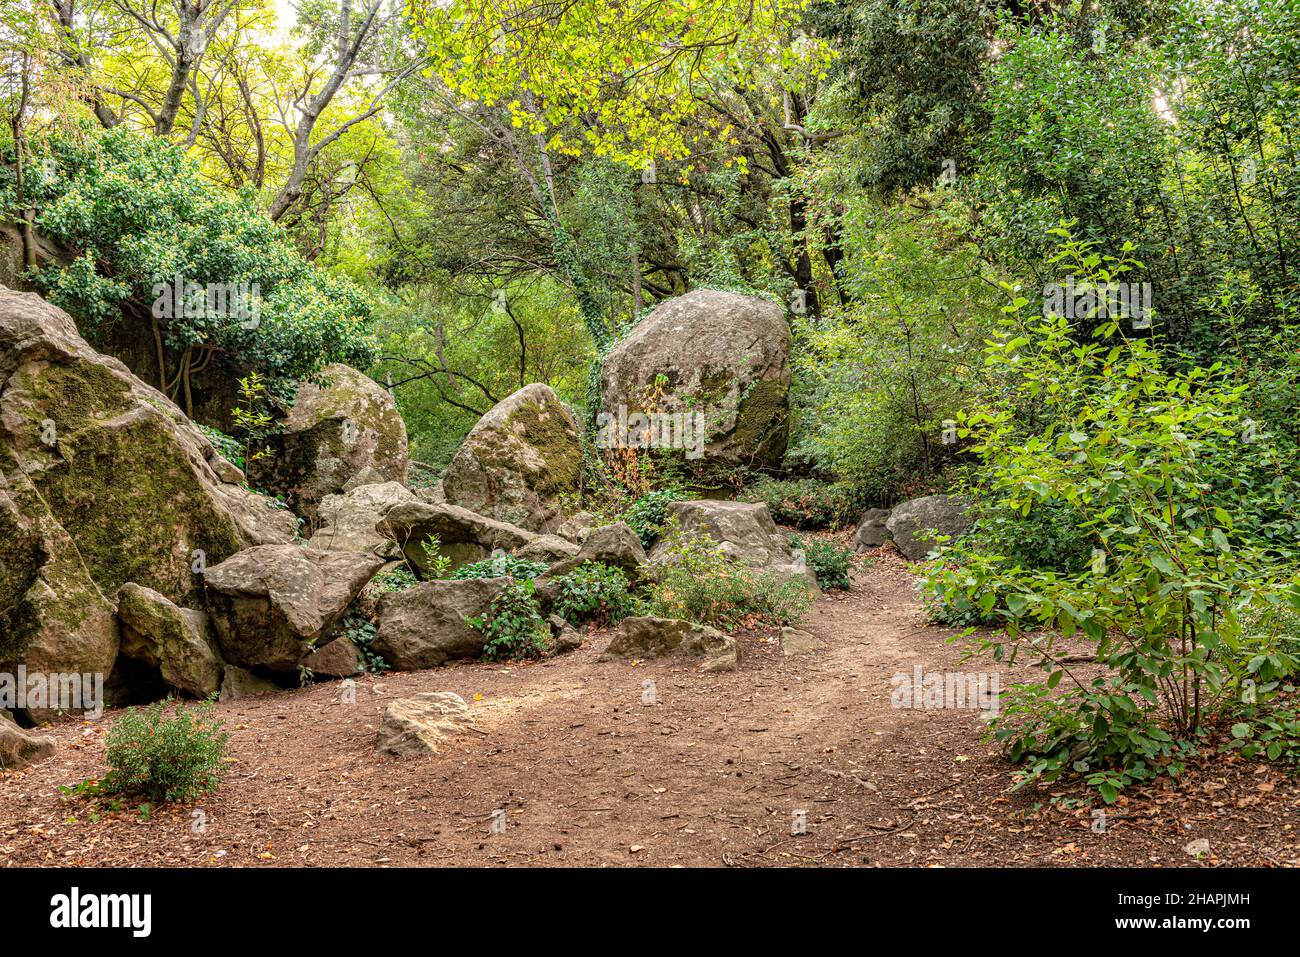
176	757
137	213
806	503
357	627
500	566
830	563
699	583
595	592
513	625
647	514
1177	602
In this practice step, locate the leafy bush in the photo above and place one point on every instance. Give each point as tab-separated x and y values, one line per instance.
595	592
357	627
500	566
1048	537
830	563
1177	601
647	514
806	503
699	583
513	625
166	758
137	213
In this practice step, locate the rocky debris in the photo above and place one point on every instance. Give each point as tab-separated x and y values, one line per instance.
736	371
463	536
424	626
269	605
614	545
239	683
576	527
103	481
422	723
19	748
335	431
795	641
337	659
367	476
654	637
564	636
911	523
548	548
872	532
521	458
174	640
348	522
746	533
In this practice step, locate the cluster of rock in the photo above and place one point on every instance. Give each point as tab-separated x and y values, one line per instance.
914	525
130	547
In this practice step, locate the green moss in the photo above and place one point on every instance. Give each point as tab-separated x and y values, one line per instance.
762	423
127	495
548	430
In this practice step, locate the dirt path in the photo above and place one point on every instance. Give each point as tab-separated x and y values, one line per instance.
712	774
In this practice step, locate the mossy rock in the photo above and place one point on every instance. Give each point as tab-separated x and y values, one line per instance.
720	354
520	461
340	426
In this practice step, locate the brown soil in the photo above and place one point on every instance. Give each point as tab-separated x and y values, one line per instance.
712	774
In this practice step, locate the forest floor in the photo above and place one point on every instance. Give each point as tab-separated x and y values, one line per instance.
714	773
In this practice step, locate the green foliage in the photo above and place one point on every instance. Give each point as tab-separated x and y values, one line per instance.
513	625
227	446
595	592
166	758
500	566
1180	595
830	563
699	583
646	515
252	420
137	214
806	503
360	630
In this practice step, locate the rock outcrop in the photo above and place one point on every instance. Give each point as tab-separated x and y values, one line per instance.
349	521
653	637
174	640
519	461
335	430
912	524
105	481
424	626
718	353
746	533
271	605
463	536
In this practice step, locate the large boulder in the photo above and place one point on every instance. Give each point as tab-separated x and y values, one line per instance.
718	353
547	548
519	461
463	536
19	748
746	533
272	605
420	724
339	425
348	522
424	626
653	637
105	481
174	640
914	524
